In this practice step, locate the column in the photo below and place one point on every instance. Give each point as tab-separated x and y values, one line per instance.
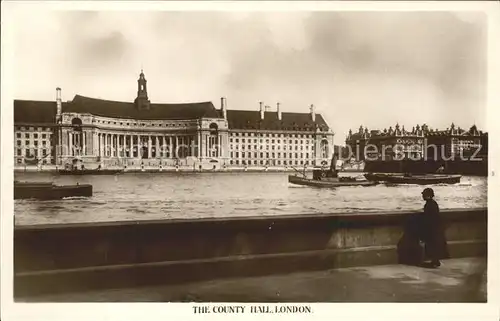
131	144
138	146
149	146
157	141
162	155
69	146
118	146
219	146
106	145
101	144
170	147
84	143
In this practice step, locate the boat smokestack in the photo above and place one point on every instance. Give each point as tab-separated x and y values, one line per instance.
278	110
261	104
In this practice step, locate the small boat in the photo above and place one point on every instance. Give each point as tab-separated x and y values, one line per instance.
328	182
323	177
49	191
428	179
90	171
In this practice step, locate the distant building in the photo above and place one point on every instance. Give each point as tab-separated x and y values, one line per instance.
419	143
96	131
380	144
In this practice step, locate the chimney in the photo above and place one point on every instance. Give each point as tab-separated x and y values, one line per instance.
261	110
278	110
58	103
313	113
223	107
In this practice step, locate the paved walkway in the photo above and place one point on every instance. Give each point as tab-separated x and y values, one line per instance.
457	280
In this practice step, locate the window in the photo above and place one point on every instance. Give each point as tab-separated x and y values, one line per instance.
18	143
44	143
36	143
18	135
27	135
19	153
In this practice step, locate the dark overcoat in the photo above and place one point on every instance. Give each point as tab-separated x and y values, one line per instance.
432	232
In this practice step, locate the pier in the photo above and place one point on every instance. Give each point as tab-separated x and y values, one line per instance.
80	257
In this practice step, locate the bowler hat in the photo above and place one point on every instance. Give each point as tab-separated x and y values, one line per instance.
428	192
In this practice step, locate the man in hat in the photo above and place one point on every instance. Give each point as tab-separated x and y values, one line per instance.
432	231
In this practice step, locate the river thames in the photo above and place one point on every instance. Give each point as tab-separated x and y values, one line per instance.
144	196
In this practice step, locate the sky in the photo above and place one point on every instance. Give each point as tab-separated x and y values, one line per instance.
374	69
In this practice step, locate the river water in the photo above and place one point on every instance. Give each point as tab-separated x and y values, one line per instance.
144	196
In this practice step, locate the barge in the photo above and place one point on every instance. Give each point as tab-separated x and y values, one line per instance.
50	191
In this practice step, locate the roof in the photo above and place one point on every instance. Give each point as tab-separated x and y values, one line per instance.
250	119
117	109
32	111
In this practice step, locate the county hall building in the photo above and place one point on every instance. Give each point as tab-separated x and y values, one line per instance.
142	133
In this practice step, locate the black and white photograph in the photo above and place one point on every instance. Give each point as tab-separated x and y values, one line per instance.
252	162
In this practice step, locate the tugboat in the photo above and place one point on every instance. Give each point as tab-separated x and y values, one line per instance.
49	191
323	177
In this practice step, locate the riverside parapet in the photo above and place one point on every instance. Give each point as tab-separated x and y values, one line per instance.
86	256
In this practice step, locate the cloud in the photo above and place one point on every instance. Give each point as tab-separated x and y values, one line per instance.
370	68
